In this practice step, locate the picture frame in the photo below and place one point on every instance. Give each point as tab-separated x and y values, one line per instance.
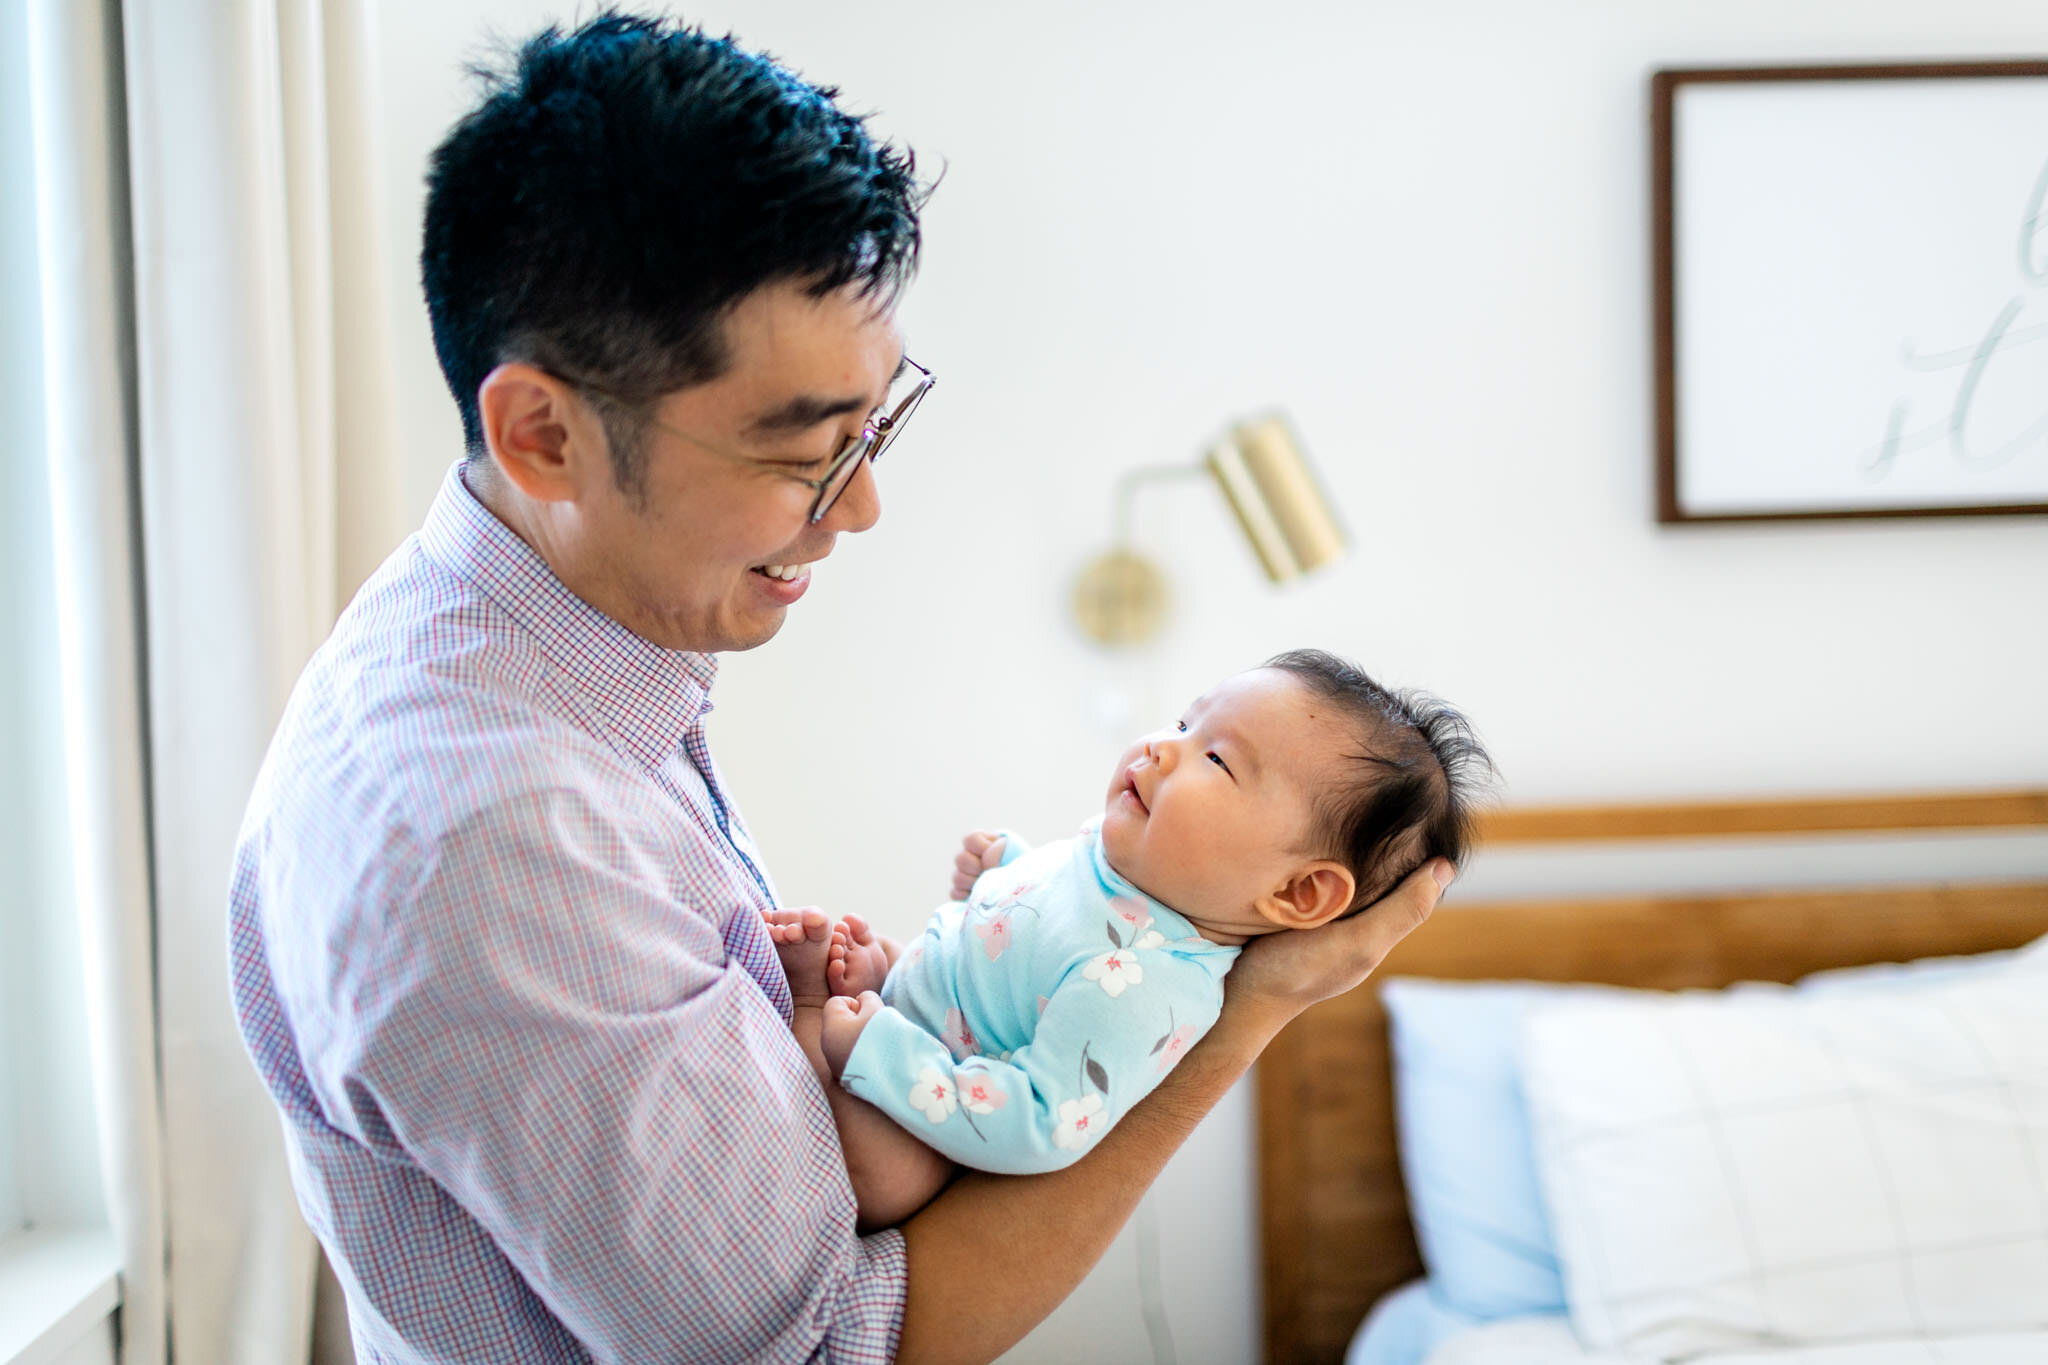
1851	291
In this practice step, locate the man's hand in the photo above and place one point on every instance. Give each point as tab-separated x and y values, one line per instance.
979	852
1283	974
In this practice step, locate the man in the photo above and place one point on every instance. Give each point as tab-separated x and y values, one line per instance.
496	938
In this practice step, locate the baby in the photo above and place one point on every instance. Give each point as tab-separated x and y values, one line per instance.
1064	982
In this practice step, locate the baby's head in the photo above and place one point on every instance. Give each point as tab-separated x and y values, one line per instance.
1292	795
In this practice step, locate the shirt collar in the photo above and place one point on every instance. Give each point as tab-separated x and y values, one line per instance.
645	698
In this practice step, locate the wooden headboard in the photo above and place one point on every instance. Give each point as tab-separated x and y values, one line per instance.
1335	1228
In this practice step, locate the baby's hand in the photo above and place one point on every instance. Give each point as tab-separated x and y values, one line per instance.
979	852
845	1017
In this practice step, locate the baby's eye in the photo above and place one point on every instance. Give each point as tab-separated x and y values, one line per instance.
1217	759
1181	726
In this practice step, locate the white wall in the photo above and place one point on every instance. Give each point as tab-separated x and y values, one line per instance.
1424	231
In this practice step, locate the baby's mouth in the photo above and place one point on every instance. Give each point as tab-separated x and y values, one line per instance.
1131	790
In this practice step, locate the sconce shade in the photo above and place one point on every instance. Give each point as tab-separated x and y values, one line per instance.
1285	514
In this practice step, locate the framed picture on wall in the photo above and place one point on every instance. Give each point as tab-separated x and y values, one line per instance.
1852	291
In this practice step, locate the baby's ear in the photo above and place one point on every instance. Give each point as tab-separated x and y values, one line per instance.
1314	895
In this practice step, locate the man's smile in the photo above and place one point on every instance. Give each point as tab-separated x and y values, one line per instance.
783	583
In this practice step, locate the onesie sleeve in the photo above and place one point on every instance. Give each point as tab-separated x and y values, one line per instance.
1108	1034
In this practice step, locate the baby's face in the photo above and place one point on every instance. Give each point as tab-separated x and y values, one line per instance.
1214	811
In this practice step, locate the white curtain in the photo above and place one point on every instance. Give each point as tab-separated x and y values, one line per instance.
263	479
82	257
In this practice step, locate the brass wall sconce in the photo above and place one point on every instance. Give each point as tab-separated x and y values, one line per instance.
1121	597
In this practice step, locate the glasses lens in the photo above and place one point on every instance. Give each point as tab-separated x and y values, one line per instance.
904	396
845	465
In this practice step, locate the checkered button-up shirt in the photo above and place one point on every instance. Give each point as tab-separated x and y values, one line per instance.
497	953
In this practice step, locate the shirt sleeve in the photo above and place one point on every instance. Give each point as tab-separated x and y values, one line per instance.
565	1048
1108	1034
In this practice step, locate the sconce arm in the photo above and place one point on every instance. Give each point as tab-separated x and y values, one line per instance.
1127	490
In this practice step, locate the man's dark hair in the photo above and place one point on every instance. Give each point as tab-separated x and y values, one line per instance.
1411	785
623	185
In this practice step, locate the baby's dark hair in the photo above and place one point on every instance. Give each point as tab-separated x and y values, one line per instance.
1410	787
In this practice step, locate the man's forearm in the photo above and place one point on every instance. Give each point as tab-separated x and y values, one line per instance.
993	1255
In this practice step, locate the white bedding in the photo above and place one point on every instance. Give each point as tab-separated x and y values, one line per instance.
1726	1169
1549	1341
1915	1235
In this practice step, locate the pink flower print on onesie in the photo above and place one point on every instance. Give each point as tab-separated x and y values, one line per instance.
1137	918
1132	911
958	1038
978	1094
995	936
1170	1048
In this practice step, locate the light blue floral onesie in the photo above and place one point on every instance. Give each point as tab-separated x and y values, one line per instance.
1030	1017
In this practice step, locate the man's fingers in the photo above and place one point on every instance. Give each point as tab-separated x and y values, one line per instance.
1294	971
1402	911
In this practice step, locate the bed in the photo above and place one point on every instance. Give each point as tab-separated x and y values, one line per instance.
1336	1231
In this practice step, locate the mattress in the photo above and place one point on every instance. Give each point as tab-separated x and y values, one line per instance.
1549	1341
1411	1326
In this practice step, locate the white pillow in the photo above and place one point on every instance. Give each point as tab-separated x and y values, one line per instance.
1770	1167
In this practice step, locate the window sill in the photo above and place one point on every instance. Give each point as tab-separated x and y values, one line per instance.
56	1287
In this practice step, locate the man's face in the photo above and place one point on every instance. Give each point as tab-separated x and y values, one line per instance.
1214	811
687	563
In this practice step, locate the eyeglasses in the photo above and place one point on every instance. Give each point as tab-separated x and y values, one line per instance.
883	425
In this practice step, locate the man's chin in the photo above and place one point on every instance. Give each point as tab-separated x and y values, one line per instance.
757	630
729	634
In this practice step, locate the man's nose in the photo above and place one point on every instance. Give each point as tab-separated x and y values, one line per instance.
860	506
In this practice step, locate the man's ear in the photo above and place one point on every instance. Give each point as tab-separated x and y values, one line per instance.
1312	896
543	438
